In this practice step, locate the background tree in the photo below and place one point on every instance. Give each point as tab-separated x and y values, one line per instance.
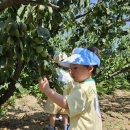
31	30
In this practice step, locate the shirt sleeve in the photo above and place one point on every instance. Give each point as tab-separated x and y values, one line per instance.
80	98
77	100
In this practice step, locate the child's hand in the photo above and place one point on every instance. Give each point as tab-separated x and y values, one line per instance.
44	84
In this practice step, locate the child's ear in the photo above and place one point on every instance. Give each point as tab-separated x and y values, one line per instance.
90	68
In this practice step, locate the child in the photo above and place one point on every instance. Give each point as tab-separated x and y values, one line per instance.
50	106
82	102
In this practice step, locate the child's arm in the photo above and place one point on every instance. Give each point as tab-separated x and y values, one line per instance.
50	93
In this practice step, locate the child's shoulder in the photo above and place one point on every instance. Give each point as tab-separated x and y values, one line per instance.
89	86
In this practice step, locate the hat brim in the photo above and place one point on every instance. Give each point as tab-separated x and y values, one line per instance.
74	59
86	57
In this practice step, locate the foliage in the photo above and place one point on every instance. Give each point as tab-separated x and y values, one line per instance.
31	33
3	112
108	86
11	100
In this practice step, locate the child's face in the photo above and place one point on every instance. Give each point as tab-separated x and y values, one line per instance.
79	72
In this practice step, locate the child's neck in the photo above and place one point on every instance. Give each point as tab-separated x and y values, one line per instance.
89	78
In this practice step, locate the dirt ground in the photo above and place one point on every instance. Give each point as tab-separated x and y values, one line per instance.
28	113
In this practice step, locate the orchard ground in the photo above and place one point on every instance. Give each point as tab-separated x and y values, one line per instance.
28	113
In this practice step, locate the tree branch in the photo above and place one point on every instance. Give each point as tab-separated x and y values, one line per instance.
99	1
123	70
82	15
9	3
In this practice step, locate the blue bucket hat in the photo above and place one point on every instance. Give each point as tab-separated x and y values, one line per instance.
81	56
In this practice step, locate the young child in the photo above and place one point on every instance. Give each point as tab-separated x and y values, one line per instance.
82	102
64	77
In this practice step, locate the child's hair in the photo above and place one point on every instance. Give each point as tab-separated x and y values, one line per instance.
96	51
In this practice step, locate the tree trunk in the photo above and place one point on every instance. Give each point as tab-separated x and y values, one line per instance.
11	87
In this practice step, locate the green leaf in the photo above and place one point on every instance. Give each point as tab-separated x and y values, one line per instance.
82	2
1	49
39	49
3	61
1	24
21	46
20	10
43	32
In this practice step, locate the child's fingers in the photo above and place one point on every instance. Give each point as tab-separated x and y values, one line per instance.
41	78
43	81
45	78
